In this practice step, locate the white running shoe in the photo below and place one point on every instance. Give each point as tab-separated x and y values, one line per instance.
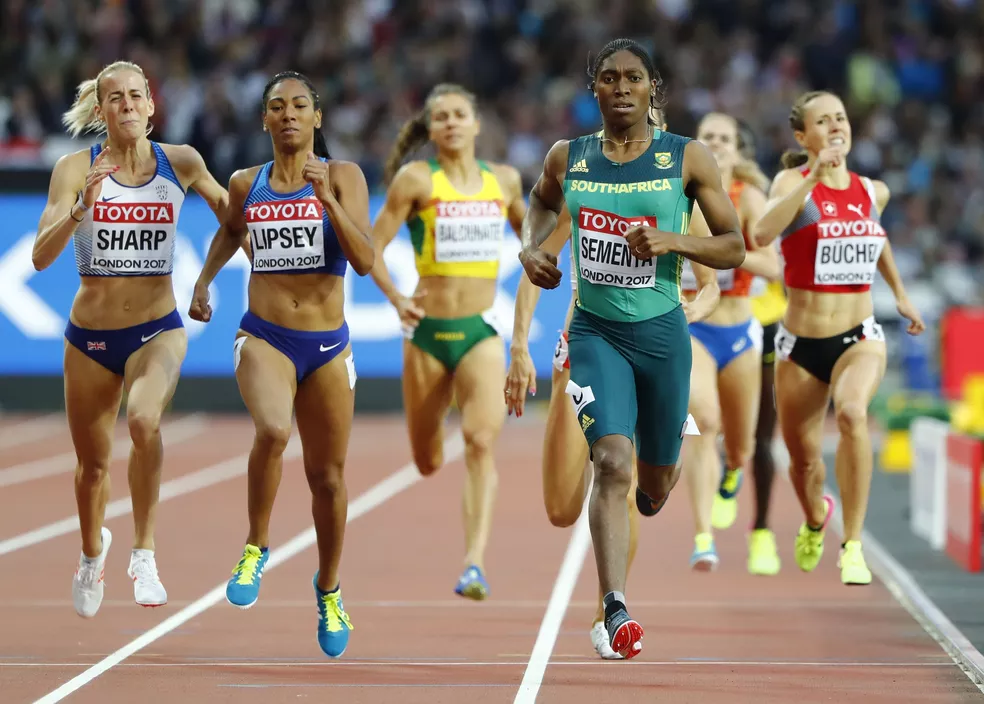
599	638
147	587
88	584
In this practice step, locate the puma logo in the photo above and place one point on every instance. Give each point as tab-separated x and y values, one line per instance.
856	209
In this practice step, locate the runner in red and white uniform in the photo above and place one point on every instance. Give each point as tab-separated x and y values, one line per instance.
828	343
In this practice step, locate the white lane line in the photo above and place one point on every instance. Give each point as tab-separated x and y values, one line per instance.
553	618
397	482
173	433
289	663
31	430
216	473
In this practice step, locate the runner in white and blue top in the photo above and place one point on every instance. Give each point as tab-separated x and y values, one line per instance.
307	219
120	200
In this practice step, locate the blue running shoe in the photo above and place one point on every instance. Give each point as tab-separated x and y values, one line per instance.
472	584
704	558
243	588
333	623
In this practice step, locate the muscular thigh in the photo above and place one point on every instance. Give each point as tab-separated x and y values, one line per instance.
801	405
426	397
858	373
92	404
477	385
601	387
267	381
565	452
703	402
152	372
324	406
662	364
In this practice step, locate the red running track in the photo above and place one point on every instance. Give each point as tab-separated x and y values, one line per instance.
719	637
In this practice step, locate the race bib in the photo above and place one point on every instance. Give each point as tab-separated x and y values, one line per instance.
468	231
688	280
286	235
604	258
132	238
848	252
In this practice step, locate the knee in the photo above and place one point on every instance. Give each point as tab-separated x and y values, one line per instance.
708	420
144	425
806	466
478	441
613	467
326	479
657	484
272	437
852	417
562	515
93	471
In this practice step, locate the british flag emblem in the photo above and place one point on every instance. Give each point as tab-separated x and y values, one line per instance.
830	209
95	345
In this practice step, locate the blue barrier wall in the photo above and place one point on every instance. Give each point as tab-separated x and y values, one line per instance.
34	306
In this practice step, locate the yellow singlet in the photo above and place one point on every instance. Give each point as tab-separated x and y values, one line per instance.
770	305
459	235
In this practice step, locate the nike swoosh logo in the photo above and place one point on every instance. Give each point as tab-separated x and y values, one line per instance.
325	349
151	336
106	199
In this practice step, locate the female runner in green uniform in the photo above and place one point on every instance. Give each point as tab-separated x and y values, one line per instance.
630	189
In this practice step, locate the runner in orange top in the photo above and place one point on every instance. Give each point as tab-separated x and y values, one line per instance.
726	371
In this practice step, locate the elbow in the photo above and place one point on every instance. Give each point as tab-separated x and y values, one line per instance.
40	262
363	265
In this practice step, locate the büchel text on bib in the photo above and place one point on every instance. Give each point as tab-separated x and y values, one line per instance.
468	231
286	234
132	237
603	256
847	252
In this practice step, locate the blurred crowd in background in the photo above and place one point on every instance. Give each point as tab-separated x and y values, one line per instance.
910	71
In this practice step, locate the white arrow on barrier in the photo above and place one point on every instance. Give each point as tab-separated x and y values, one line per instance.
21	305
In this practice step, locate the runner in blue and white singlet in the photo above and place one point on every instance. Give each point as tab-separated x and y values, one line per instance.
120	200
307	217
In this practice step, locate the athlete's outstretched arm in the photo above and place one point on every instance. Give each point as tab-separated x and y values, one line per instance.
546	202
522	372
725	249
205	185
229	237
890	272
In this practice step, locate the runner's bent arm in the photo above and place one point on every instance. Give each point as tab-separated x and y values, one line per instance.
409	184
546	198
725	249
232	229
762	261
527	295
786	198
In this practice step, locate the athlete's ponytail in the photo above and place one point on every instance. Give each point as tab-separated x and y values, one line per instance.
320	144
416	131
747	169
794	158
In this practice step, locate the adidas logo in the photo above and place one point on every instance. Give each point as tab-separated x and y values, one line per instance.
581	166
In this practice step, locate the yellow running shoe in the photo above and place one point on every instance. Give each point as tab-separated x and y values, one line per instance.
852	565
724	511
763	558
809	542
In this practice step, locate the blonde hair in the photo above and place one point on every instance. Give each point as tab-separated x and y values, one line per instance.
81	117
416	130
